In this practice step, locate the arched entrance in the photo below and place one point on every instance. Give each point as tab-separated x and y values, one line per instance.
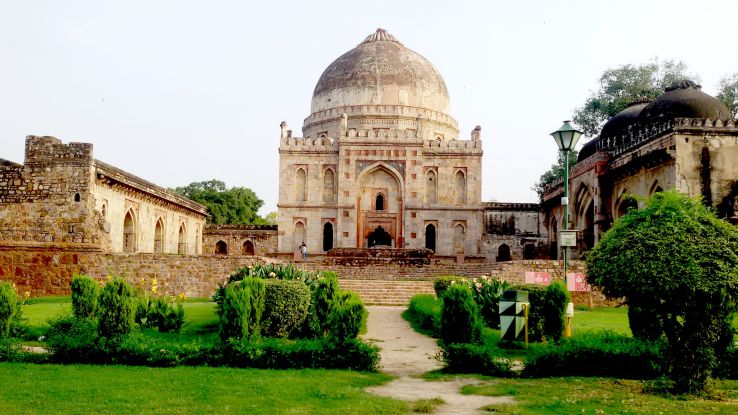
129	232
221	248
503	253
379	237
247	248
159	236
182	240
430	237
379	205
327	236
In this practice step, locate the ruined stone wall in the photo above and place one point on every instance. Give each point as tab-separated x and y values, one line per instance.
263	239
49	271
47	200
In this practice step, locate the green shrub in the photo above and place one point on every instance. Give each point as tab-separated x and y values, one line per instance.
554	309
459	322
8	307
117	309
257	291
487	292
235	311
440	284
473	358
597	354
73	339
323	295
137	349
536	298
644	322
166	314
9	350
424	314
85	295
346	317
286	305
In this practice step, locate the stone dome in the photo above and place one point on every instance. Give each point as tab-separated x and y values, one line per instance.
622	120
588	149
381	71
685	100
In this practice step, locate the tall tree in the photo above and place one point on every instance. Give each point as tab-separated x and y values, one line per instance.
729	92
555	172
234	206
624	84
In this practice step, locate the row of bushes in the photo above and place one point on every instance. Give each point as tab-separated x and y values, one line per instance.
76	340
287	304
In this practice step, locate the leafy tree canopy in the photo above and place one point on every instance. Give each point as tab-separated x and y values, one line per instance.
729	93
677	260
234	206
555	172
624	84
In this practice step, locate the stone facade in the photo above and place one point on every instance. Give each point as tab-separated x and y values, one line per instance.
513	231
62	196
380	162
646	154
248	240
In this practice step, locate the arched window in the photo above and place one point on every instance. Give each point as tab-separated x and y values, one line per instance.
299	233
656	187
104	210
459	188
159	236
626	203
459	239
329	186
221	248
503	253
430	237
182	240
554	239
379	205
301	185
197	240
77	197
327	236
431	187
129	232
247	248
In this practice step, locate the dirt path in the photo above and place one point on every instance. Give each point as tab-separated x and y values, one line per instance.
407	355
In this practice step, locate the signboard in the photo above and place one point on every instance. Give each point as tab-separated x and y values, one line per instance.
568	238
576	281
541	278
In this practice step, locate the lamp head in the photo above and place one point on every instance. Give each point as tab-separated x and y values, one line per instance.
566	136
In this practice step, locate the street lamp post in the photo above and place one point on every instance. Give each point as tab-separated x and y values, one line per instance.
566	138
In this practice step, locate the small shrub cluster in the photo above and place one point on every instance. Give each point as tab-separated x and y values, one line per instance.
9	307
459	322
286	305
239	314
85	296
536	298
117	309
441	284
487	292
346	317
73	339
598	354
424	313
554	310
474	358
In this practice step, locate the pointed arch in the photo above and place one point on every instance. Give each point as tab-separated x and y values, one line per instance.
159	235
655	188
301	185
430	237
459	187
503	253
584	216
431	187
329	186
299	234
221	248
625	202
379	202
182	239
327	236
248	248
554	236
130	234
459	239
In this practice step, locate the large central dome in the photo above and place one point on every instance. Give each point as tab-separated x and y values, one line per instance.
381	71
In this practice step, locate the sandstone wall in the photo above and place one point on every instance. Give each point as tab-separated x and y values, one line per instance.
263	239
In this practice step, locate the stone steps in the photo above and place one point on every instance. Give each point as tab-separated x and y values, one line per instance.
384	292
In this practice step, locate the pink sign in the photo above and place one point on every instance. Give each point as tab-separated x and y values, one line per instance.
542	278
576	281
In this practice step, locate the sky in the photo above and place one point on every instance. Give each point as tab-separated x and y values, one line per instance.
183	91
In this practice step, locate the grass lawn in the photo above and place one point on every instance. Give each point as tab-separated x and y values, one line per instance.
600	396
80	389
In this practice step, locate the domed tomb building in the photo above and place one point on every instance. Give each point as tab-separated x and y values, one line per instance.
684	139
380	162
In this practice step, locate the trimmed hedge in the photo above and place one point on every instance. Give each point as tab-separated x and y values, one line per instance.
286	305
347	316
459	321
424	314
473	358
598	354
440	284
73	339
117	309
85	295
554	310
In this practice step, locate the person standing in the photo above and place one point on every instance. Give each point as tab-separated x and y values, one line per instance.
304	251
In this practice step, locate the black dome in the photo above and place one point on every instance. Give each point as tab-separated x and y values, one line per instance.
588	149
620	122
685	100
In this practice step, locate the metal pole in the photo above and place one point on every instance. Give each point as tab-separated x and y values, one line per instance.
566	210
